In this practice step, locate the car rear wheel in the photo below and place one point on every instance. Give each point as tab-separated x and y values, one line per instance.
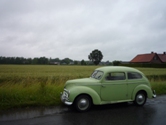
140	98
83	103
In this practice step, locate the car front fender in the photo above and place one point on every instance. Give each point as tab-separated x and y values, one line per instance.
79	90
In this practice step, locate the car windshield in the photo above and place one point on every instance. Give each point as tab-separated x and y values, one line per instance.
97	74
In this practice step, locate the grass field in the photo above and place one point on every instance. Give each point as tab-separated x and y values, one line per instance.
40	85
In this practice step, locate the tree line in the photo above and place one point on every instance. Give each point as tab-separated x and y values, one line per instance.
42	61
36	60
47	61
95	57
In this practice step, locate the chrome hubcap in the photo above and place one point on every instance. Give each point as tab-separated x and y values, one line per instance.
140	99
83	104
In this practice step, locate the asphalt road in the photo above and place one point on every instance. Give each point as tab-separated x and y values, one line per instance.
152	113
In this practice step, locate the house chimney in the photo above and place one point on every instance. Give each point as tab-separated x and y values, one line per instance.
152	52
164	53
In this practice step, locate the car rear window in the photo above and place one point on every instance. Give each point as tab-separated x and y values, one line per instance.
134	75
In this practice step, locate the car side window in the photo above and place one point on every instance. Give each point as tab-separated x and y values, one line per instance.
134	75
115	76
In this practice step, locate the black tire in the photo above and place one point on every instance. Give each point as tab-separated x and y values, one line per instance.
83	103
140	98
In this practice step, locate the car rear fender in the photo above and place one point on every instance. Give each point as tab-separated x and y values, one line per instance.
144	88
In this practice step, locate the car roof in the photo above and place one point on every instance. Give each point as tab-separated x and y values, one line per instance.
118	68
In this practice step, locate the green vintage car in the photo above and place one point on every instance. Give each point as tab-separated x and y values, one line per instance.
107	85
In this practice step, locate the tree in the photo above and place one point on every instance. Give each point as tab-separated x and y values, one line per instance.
83	62
116	63
75	62
96	56
66	61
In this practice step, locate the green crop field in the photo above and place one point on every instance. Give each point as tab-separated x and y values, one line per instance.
40	85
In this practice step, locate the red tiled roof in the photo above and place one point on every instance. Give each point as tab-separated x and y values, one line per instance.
162	57
143	58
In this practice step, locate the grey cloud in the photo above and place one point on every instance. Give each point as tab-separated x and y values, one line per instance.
120	29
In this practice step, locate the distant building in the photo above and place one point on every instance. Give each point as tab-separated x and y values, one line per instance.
150	58
55	63
71	63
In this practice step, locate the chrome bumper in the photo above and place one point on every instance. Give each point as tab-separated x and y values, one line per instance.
65	100
154	94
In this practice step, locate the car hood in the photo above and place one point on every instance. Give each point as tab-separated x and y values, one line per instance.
82	81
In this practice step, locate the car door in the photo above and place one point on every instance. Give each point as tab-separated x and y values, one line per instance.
114	87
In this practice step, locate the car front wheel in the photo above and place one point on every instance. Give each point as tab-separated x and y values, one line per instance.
83	103
140	98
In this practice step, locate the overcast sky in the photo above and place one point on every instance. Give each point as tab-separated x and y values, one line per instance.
120	29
